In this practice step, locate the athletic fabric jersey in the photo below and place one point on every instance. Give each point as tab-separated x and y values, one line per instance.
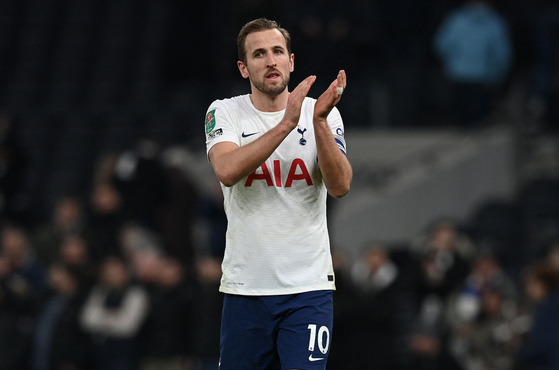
277	239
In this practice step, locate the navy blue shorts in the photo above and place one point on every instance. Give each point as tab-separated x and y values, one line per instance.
284	332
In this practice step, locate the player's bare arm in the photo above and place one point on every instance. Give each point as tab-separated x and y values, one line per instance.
334	165
231	163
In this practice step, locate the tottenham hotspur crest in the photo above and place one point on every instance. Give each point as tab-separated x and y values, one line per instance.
302	141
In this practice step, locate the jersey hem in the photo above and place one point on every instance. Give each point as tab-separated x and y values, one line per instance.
267	292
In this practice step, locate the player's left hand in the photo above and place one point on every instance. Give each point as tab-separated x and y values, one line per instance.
329	98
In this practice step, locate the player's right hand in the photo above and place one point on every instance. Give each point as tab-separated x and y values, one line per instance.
295	101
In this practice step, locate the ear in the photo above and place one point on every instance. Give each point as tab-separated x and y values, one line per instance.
242	68
292	62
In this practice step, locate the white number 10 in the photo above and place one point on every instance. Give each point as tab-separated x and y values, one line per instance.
322	338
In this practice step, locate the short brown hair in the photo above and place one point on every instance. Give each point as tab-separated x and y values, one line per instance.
260	24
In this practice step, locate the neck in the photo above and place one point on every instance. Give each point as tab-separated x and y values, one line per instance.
267	103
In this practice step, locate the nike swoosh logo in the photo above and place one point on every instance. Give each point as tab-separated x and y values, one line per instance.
312	359
247	135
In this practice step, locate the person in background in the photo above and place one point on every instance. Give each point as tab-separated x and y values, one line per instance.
375	321
22	288
59	341
141	179
441	260
169	334
75	255
106	219
68	217
113	316
474	46
21	267
539	349
489	340
439	264
483	316
487	274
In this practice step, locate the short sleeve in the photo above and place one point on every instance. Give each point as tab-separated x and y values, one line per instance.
219	125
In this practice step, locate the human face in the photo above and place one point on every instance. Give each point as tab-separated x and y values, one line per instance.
535	289
268	64
114	274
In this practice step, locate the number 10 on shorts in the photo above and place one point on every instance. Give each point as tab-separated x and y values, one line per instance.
322	338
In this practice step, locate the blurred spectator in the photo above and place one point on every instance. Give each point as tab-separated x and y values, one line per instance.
59	341
487	274
178	214
442	260
22	284
375	271
539	351
12	168
157	195
374	321
439	265
21	263
498	225
68	217
141	248
106	219
168	338
482	317
140	178
429	348
75	256
113	315
444	234
144	267
474	45
490	340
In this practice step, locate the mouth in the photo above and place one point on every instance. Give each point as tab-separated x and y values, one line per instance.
274	75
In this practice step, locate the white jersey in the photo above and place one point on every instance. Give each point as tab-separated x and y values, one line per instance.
277	238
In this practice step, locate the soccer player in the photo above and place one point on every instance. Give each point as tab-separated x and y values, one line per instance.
277	154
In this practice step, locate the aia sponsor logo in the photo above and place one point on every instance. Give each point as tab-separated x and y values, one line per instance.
297	172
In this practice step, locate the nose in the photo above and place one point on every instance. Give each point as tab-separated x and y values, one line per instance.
271	60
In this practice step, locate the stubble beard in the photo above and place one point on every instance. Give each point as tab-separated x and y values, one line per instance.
271	91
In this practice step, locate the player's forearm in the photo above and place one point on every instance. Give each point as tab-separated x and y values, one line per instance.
231	166
334	165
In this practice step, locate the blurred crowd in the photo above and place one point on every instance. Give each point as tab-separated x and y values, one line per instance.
113	281
446	302
124	273
125	279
